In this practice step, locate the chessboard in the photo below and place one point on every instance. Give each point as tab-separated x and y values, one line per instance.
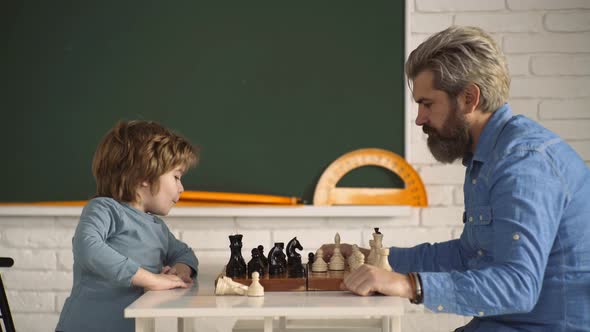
312	281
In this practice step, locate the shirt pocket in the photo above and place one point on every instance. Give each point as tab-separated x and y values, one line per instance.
479	222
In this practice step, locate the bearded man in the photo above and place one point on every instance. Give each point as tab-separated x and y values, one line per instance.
522	262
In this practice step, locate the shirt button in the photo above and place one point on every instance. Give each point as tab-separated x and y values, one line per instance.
440	307
480	252
474	181
516	237
481	313
470	219
480	217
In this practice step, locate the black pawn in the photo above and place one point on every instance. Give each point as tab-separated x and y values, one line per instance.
264	259
255	264
310	258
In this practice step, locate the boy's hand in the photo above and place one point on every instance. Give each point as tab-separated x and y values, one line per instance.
152	281
181	270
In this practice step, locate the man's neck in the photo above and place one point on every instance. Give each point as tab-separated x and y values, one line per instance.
477	123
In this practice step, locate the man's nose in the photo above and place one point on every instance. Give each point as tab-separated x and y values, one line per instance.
421	118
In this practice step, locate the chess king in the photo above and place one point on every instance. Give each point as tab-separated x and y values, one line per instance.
521	262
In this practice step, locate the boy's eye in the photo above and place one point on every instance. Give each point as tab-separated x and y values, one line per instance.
177	177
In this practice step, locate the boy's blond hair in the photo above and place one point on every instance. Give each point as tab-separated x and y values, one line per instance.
136	151
458	56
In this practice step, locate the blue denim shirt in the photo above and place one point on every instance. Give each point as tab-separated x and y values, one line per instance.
523	259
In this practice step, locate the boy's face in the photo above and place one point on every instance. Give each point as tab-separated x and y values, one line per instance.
161	202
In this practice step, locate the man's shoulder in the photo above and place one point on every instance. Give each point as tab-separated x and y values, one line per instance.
522	135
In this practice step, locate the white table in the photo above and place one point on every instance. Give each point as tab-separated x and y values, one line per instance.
200	301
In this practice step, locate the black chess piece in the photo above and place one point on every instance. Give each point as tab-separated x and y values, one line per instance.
377	230
310	258
256	264
276	260
294	266
236	267
264	259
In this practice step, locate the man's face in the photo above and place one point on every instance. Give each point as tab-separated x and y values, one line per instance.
441	119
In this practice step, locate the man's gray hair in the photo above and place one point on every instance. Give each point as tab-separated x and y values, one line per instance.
458	56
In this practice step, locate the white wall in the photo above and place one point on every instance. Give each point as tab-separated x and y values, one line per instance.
548	47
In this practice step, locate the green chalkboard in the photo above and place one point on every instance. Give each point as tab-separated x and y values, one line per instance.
272	91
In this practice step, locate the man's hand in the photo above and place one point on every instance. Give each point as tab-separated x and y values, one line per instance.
181	270
368	279
152	281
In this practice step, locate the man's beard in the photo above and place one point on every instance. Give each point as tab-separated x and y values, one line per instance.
453	141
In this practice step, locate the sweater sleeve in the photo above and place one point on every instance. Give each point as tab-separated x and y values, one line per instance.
91	249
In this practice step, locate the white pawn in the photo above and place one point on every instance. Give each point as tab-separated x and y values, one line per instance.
356	259
226	286
383	261
372	254
255	288
319	265
337	261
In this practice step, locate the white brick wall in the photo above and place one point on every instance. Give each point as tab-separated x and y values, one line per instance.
547	44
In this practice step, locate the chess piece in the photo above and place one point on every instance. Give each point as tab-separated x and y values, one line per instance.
310	259
319	265
264	259
236	267
337	261
255	288
276	260
294	266
356	259
378	238
371	257
256	264
383	261
226	286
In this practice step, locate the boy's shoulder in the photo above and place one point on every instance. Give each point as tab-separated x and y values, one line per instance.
102	203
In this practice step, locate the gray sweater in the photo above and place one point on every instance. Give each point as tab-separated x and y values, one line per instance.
111	242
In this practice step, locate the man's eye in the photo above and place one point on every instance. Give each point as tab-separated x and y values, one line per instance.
427	105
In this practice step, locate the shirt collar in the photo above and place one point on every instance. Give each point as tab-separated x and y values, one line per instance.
487	139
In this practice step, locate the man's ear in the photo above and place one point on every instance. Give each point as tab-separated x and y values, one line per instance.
470	97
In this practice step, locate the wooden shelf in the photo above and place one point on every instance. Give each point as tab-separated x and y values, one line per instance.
257	211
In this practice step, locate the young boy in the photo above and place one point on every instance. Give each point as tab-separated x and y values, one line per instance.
120	246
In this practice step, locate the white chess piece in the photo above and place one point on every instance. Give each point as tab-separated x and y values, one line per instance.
255	288
351	259
356	259
337	261
319	264
372	254
226	286
378	238
383	261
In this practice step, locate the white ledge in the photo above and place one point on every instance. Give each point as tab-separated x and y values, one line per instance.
255	211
